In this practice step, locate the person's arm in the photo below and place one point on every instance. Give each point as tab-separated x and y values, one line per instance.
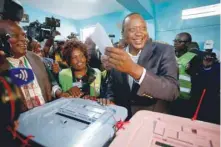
165	85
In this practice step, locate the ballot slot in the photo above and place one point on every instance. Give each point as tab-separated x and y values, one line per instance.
86	114
161	144
74	118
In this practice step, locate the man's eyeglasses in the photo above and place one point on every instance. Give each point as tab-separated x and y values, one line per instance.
179	41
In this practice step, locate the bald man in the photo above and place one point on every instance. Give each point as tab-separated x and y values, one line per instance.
144	75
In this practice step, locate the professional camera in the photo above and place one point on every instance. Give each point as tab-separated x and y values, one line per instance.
42	31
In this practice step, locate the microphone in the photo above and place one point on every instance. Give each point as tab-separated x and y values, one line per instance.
21	76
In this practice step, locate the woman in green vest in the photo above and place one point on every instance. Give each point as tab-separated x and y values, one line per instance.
84	79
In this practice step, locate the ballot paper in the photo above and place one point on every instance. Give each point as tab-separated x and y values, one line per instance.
100	38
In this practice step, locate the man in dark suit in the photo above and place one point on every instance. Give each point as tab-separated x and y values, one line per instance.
144	75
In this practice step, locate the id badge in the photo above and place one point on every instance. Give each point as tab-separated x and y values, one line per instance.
78	84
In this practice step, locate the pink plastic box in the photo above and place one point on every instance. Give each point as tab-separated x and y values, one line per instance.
151	129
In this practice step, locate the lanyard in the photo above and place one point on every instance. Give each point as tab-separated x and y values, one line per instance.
26	62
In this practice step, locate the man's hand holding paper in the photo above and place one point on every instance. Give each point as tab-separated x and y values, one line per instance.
121	61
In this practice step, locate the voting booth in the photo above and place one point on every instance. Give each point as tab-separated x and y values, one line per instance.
71	123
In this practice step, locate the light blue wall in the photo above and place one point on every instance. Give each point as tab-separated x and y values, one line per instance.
144	7
151	28
67	25
148	5
111	23
169	22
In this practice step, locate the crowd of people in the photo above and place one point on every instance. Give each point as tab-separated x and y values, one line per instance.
138	73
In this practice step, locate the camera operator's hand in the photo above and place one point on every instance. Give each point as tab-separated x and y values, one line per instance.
55	33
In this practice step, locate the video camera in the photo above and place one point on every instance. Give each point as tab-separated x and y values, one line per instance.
42	31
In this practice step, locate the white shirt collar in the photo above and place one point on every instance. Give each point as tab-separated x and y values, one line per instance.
127	50
15	61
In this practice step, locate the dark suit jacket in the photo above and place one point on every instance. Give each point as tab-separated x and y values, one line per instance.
159	85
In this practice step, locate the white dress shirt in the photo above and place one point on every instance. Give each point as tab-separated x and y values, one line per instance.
135	60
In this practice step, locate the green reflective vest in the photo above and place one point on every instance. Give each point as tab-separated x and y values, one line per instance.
184	78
